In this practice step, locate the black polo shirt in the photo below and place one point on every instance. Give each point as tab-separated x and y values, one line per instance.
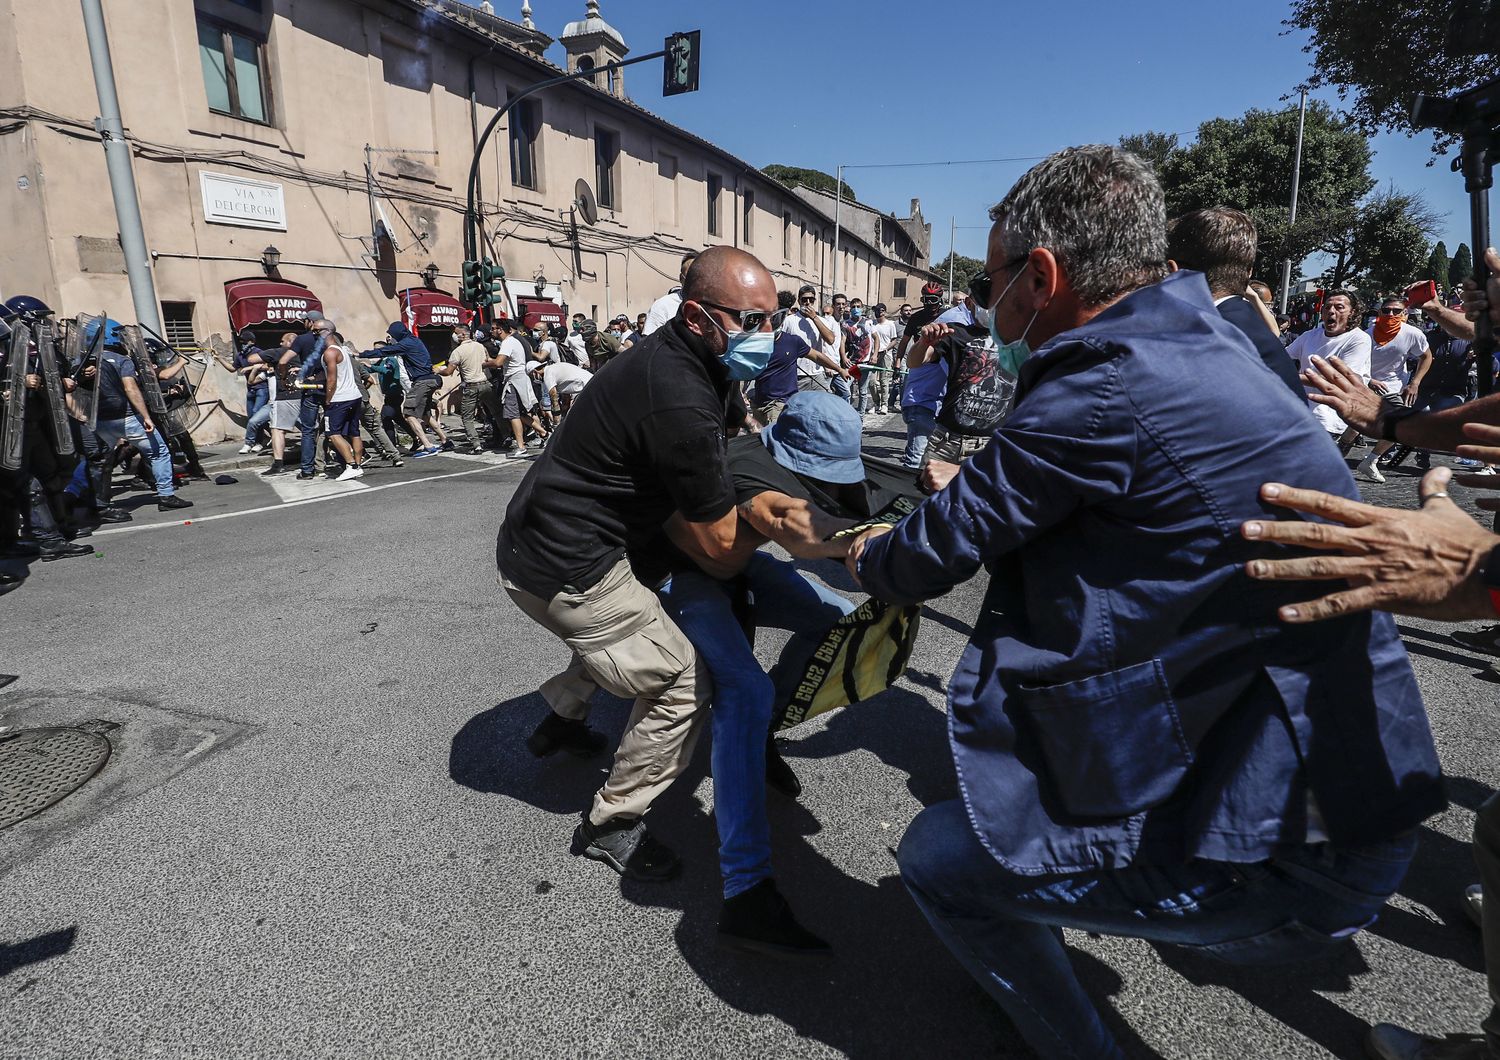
643	440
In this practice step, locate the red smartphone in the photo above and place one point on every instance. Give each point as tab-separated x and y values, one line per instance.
1420	293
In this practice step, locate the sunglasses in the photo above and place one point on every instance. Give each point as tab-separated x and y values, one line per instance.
807	301
1392	310
982	286
750	319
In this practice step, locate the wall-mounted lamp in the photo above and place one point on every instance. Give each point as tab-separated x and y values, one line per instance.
270	260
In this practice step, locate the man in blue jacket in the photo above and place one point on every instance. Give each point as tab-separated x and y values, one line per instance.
1141	747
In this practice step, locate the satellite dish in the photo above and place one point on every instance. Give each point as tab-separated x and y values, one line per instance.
586	203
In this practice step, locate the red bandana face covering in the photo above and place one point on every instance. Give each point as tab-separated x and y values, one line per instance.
1387	328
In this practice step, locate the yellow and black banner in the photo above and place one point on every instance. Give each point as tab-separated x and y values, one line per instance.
860	657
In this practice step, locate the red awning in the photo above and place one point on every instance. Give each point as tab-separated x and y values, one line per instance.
425	308
534	311
259	301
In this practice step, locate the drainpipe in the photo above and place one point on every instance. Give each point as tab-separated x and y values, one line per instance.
121	180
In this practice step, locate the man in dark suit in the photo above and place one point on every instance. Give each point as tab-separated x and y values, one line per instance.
1220	243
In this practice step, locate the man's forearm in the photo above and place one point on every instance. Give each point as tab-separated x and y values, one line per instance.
796	525
1443	431
136	399
1450	320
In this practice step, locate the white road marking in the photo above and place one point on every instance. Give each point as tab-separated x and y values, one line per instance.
341	495
290	488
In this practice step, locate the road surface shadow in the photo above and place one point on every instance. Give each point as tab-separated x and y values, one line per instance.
18	955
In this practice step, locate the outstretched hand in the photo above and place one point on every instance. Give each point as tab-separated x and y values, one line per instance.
1426	563
1333	383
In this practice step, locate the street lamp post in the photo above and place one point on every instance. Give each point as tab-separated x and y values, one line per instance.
1286	266
838	202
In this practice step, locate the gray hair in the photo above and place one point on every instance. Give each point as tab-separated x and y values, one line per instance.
1101	213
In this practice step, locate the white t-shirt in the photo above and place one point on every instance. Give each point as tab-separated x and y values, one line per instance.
549	352
577	352
1388	362
663	309
831	349
565	378
884	334
1352	347
514	352
807	331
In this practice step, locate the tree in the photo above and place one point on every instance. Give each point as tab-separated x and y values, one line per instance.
1437	265
1246	162
816	179
1380	53
1381	246
964	269
1154	147
1462	267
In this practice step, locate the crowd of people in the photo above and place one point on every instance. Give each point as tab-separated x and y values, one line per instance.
1105	422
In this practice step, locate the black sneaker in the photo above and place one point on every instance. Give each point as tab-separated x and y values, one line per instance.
760	921
114	515
396	461
1424	460
172	502
303	476
276	468
557	733
65	550
779	775
447	447
625	846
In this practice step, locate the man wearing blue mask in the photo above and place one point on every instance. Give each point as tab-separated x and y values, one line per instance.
1142	748
581	549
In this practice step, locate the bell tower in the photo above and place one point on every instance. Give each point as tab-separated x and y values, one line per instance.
592	44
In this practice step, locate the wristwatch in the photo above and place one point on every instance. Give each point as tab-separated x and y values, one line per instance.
1489	574
1393	415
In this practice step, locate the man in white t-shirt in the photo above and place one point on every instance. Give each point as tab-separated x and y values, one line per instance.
884	334
1399	358
517	398
805	323
562	382
833	348
665	307
1339	337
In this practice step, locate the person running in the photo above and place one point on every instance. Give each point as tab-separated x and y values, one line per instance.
1399	361
342	401
517	398
467	361
1339	337
422	384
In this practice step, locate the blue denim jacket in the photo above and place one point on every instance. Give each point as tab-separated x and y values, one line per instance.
1128	694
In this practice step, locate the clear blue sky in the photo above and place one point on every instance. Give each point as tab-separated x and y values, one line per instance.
821	82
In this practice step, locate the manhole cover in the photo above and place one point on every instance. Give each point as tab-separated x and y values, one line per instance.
40	767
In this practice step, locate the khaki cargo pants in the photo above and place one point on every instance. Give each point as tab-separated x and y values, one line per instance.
624	642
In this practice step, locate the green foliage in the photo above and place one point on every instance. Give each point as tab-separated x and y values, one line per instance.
816	179
1462	266
1383	246
1437	265
964	269
1380	53
1154	147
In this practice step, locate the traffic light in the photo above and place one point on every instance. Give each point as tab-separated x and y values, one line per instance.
491	283
680	67
469	291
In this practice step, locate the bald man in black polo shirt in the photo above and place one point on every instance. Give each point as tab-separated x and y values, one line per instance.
644	440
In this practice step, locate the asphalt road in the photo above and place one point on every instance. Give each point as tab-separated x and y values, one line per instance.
321	836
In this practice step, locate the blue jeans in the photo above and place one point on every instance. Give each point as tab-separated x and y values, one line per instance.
257	412
920	423
840	386
152	446
1005	929
744	695
307	423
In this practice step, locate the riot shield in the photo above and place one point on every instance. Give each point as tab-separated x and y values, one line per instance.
145	377
58	427
81	354
13	398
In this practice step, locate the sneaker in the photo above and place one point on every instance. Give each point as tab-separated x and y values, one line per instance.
1474	903
760	921
351	472
624	845
1424	460
446	447
303	476
1386	1041
1485	639
276	468
1485	471
557	733
518	454
396	461
246	449
1368	471
261	448
171	502
779	775
423	454
1468	465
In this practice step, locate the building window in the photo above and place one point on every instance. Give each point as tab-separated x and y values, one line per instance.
177	322
898	288
715	186
606	162
233	72
666	196
786	235
525	126
802	242
747	202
